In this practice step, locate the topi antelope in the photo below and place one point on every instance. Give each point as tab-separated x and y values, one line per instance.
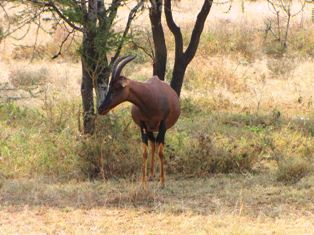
155	108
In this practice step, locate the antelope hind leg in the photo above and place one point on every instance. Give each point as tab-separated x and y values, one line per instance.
160	142
145	146
152	142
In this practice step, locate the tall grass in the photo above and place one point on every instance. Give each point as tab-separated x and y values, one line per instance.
34	142
48	143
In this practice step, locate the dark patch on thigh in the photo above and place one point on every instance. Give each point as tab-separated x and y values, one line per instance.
162	132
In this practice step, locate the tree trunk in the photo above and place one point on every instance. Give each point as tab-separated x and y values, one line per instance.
160	60
87	100
183	58
178	76
102	84
88	66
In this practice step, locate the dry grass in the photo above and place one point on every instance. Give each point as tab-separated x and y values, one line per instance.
292	170
231	204
22	78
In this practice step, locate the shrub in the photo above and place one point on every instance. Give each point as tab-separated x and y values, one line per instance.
229	38
310	125
274	49
29	147
302	39
206	76
213	153
291	170
188	107
24	77
281	68
305	124
48	143
114	151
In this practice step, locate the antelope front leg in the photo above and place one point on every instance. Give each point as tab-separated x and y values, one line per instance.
152	161
161	160
144	167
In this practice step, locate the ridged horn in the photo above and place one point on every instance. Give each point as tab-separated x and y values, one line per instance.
121	62
114	68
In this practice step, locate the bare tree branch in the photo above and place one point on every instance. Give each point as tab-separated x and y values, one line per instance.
113	9
62	44
8	20
26	21
283	14
148	51
36	38
197	31
182	59
132	15
176	31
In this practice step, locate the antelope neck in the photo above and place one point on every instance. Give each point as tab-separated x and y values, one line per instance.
139	93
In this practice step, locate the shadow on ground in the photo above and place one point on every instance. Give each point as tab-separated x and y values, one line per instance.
252	195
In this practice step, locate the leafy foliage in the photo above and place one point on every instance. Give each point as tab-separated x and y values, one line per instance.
74	14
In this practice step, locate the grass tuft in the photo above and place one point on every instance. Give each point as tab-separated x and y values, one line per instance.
292	170
24	77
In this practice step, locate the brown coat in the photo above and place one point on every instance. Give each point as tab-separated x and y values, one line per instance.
154	101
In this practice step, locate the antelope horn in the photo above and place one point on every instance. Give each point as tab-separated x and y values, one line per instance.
120	65
115	64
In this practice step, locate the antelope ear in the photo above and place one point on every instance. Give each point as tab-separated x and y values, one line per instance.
124	83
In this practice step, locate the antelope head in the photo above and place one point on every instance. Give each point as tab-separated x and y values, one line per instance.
118	91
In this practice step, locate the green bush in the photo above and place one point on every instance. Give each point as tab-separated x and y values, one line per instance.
30	145
48	143
114	150
188	107
208	154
